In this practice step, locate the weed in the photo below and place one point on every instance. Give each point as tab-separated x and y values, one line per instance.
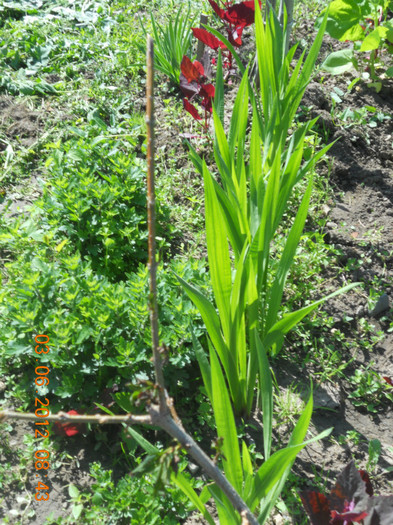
370	390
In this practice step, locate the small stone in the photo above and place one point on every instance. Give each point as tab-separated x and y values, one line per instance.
193	468
381	306
360	311
327	396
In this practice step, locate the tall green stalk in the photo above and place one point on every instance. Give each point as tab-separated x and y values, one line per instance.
244	208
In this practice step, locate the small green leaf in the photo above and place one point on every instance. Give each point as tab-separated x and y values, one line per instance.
73	491
374	39
339	62
77	511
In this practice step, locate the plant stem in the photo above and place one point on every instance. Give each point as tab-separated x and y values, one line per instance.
151	219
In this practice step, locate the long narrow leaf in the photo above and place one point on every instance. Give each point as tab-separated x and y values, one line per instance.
297	437
284	325
271	471
184	485
266	387
226	428
286	260
219	92
204	365
218	252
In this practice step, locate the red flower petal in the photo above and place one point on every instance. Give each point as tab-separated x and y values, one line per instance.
68	429
191	109
207	38
388	380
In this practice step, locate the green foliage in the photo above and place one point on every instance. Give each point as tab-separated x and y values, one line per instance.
246	207
48	45
96	200
172	42
247	210
365	23
131	500
370	390
99	330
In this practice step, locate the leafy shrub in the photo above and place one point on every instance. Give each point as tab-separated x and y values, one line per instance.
99	331
96	198
367	26
131	501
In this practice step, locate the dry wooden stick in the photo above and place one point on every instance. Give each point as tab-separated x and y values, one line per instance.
201	46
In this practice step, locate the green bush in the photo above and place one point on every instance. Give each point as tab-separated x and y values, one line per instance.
96	198
132	501
99	331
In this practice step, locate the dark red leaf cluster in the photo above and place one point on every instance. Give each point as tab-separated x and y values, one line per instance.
193	82
350	501
242	14
388	380
193	77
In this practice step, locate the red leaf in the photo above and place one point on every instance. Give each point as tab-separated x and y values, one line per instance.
68	429
219	12
207	104
191	109
365	477
207	91
192	71
207	38
388	380
189	89
235	36
317	507
347	517
242	14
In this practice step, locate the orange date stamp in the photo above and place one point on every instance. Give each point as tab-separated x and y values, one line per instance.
41	457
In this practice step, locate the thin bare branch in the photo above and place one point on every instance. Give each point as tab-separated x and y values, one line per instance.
151	219
63	417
